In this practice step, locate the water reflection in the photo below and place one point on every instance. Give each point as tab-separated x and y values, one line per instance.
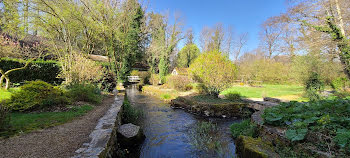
169	132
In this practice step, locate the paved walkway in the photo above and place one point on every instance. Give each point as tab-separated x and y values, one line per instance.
55	142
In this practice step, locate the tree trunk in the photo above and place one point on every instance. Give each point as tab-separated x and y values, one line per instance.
7	82
340	18
2	80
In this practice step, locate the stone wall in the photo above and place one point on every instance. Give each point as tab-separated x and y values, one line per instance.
103	142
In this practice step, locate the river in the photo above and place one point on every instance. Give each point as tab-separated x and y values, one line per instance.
170	132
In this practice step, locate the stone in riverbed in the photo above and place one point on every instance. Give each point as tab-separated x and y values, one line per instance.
130	135
248	147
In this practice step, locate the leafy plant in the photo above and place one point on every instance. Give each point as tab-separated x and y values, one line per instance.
37	70
327	119
245	128
343	139
84	92
214	70
154	79
108	82
178	82
130	113
233	96
36	94
187	55
296	134
165	96
339	83
313	86
4	117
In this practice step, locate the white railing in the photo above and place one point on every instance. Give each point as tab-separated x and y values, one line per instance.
134	78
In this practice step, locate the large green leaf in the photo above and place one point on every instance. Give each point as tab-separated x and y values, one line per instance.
296	134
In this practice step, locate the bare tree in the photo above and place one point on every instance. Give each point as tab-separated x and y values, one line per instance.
189	36
269	36
240	44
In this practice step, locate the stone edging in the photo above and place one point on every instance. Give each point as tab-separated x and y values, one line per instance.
103	138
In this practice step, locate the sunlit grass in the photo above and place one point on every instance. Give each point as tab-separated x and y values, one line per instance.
292	91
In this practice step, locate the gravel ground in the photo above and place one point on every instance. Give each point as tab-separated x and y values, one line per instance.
55	142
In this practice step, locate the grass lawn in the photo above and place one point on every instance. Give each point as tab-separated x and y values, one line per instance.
26	122
290	92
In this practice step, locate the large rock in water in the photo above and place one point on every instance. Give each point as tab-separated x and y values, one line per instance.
130	135
248	147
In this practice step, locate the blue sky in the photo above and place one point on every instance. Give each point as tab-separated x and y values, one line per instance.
243	15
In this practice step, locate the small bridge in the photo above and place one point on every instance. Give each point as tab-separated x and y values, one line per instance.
134	79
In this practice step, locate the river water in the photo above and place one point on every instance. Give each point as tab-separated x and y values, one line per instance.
170	132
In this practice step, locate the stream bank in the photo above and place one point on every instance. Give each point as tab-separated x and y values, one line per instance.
173	132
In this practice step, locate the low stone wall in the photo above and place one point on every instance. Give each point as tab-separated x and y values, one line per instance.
103	142
224	110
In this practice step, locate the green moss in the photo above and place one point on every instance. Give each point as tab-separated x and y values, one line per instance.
254	148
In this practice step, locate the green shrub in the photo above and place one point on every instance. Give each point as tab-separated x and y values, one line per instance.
108	82
188	87
4	117
165	96
215	71
313	86
245	128
339	83
84	92
37	70
36	94
179	82
154	79
233	96
130	114
200	88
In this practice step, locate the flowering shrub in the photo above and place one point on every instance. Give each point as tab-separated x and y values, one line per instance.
82	70
214	70
179	82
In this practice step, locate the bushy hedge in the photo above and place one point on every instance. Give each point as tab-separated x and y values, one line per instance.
244	128
4	117
36	95
37	70
179	82
216	71
84	92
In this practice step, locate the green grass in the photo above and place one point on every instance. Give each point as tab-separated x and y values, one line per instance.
210	99
266	91
26	122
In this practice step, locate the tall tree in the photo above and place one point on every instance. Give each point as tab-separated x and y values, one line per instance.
270	36
239	45
173	36
187	55
327	16
11	17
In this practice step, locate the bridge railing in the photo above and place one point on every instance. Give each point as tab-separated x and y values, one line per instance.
134	78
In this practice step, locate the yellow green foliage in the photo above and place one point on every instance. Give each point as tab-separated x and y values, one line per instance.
179	82
36	94
214	70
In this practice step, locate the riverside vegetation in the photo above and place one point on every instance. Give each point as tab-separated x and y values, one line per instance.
58	60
